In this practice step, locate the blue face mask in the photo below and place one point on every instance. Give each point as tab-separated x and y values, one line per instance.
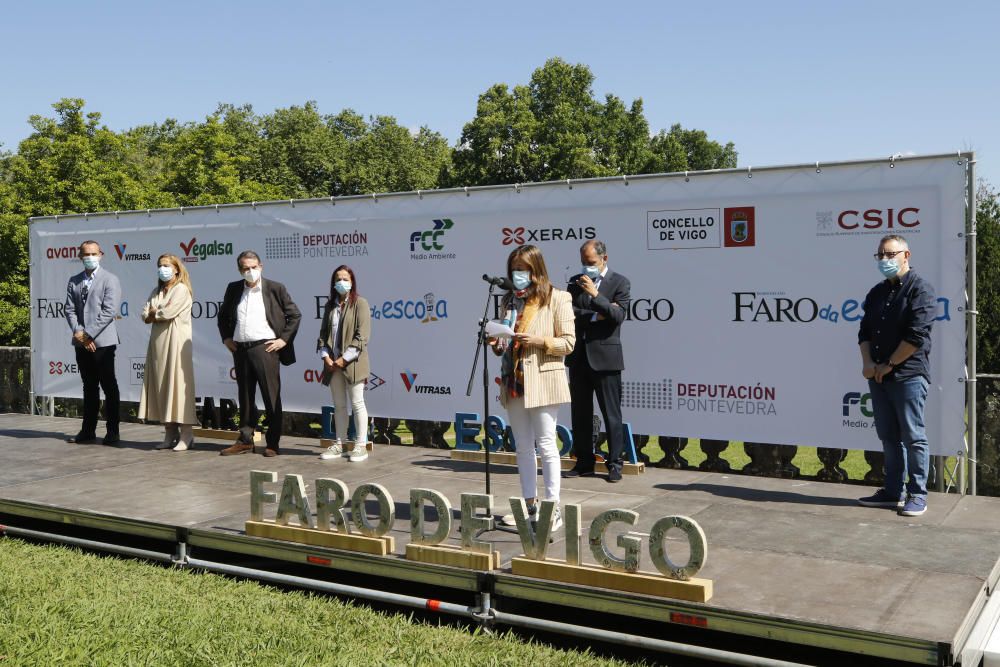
888	267
342	287
521	279
91	262
592	272
165	273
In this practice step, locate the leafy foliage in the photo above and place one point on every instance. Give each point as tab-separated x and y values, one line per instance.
551	128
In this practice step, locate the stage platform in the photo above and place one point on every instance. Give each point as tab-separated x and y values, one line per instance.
792	561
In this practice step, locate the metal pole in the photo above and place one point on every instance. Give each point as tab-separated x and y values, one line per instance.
336	589
970	212
87	544
687	650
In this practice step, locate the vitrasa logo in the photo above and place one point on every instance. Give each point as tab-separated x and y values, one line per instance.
120	250
426	244
522	235
410	382
66	252
855	221
194	251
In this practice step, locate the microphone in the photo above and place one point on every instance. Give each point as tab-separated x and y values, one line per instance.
499	281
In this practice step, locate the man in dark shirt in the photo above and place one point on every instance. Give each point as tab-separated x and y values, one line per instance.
895	342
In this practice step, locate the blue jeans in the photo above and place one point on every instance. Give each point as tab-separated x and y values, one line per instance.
899	423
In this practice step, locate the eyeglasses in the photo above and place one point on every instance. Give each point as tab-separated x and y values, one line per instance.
887	254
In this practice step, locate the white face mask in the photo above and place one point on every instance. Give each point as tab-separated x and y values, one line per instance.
251	275
166	273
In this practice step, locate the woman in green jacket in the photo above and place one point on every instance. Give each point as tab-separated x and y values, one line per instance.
343	346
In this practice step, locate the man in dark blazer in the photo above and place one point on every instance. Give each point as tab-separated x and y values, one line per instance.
258	321
600	302
93	298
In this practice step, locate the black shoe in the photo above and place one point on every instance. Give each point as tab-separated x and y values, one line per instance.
111	439
83	439
578	472
614	475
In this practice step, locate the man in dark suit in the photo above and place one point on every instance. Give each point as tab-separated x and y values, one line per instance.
93	298
600	302
258	322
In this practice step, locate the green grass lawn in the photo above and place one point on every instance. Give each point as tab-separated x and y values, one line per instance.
60	606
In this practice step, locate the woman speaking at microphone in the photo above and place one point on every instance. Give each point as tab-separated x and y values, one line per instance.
343	346
168	378
533	374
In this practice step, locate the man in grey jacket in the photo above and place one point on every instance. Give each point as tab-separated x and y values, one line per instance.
93	298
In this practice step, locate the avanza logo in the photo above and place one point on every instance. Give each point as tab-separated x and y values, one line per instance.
410	379
194	251
518	235
71	252
131	256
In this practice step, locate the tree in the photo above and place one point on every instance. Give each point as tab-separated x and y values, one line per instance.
554	128
988	337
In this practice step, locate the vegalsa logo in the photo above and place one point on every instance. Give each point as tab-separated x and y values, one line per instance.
855	221
130	256
194	251
521	235
66	252
62	368
410	379
427	309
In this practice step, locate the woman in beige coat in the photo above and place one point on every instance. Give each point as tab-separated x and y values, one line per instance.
168	380
533	373
343	346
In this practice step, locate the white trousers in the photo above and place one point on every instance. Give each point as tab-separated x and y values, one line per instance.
345	394
535	427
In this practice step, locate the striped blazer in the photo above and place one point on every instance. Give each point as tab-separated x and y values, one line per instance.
545	380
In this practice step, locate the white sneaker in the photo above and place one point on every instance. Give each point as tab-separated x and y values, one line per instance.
359	453
334	451
509	520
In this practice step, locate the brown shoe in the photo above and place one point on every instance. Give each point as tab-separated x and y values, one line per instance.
238	448
270	453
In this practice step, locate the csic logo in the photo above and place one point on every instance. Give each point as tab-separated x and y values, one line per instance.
66	252
869	221
131	256
431	240
194	251
773	307
519	235
409	381
428	309
63	368
644	310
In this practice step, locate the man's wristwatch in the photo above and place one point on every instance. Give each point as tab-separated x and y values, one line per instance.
890	364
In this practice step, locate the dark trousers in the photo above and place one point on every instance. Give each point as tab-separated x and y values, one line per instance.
255	367
584	382
97	369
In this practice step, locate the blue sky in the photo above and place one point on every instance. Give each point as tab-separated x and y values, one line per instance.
787	82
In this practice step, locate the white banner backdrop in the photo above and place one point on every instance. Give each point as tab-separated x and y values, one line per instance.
746	291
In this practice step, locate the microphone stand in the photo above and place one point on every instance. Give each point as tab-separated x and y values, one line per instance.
482	345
